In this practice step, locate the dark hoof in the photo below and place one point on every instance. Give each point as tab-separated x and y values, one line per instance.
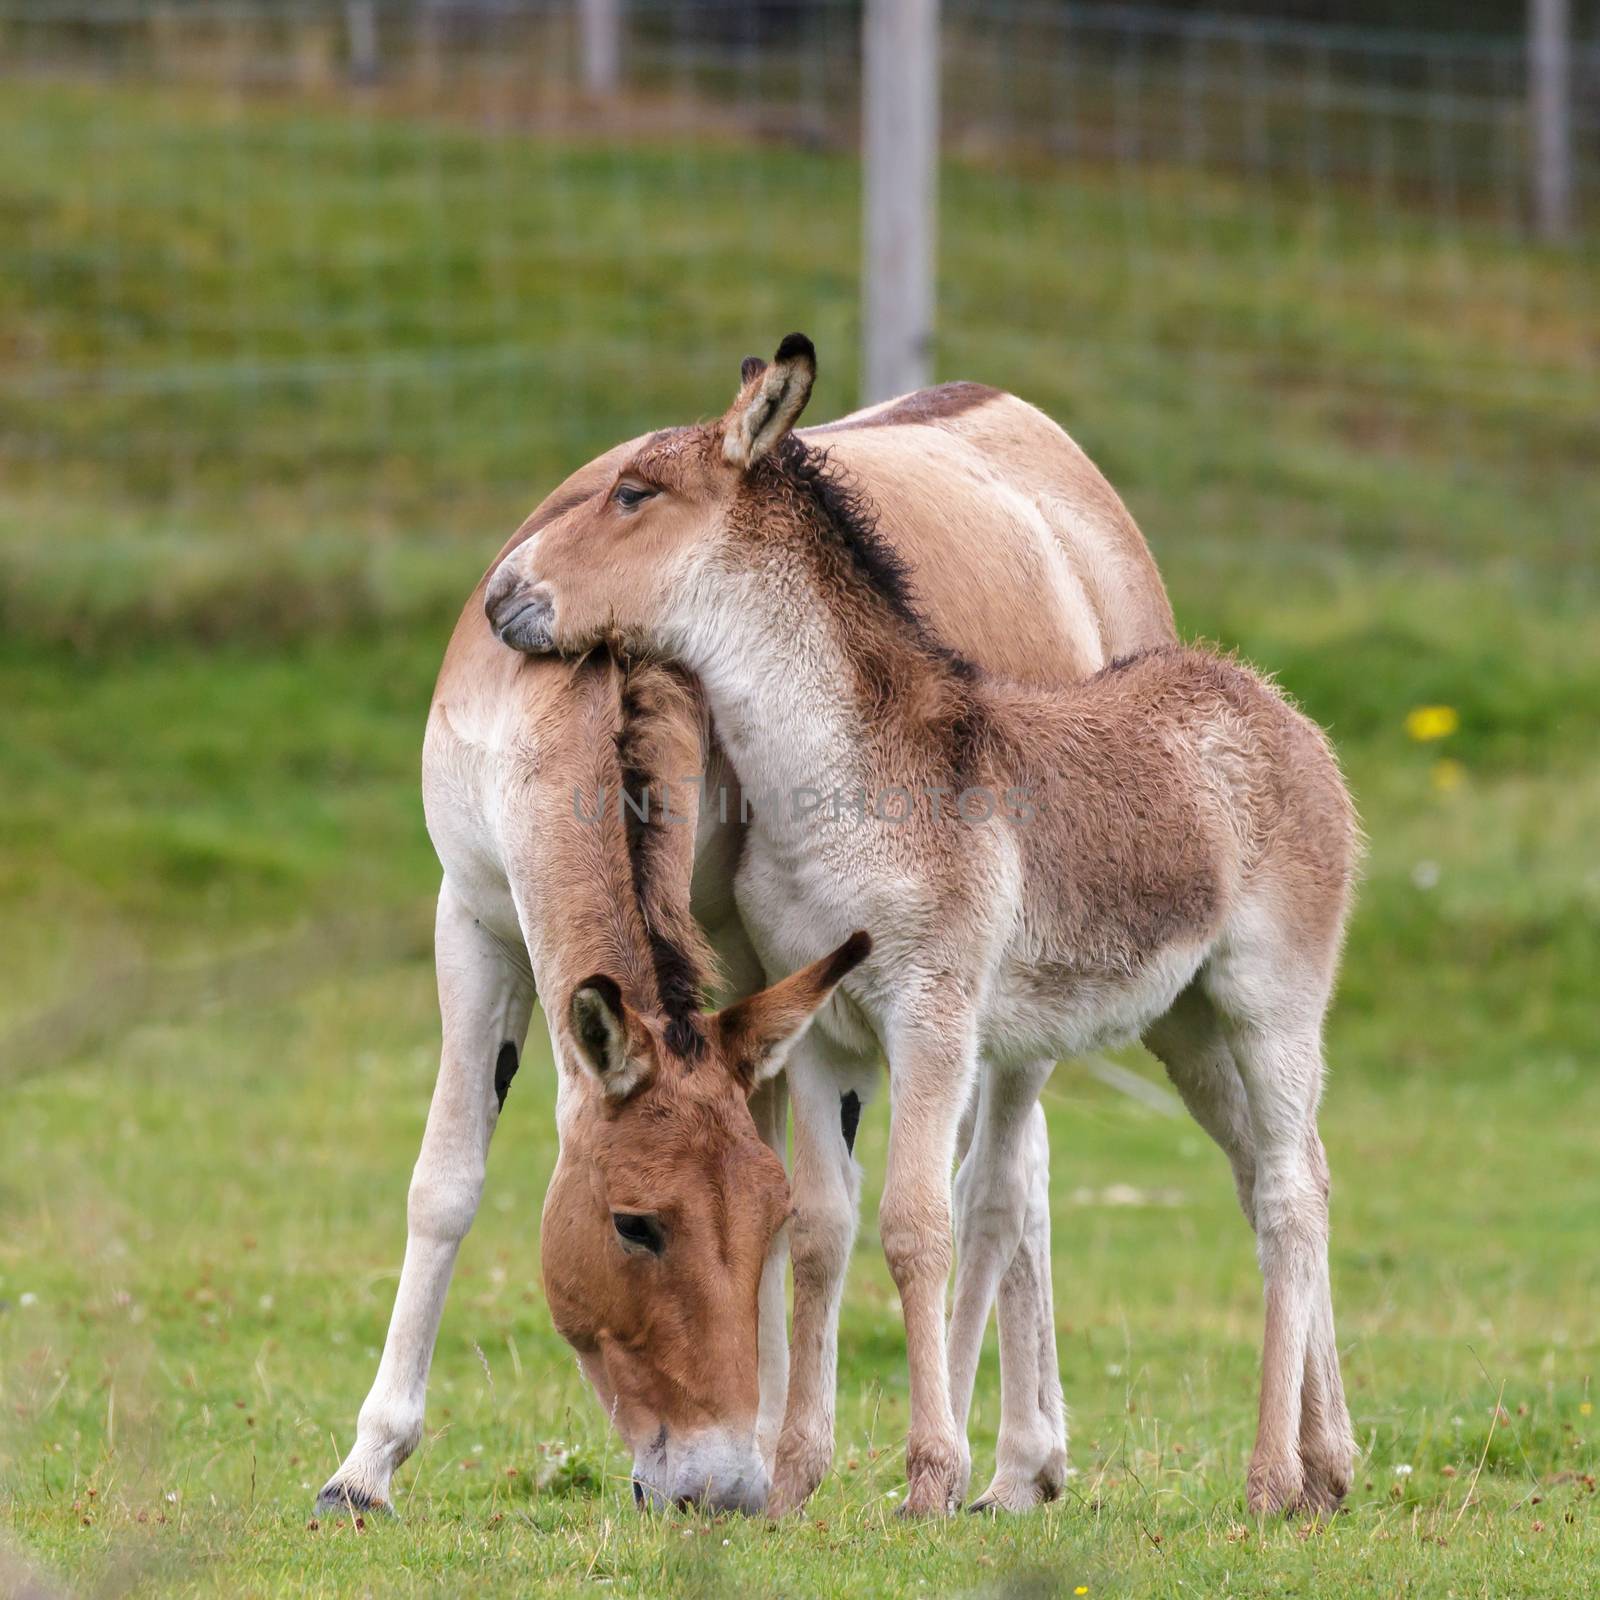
339	1498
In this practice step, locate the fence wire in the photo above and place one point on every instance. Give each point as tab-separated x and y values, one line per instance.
389	266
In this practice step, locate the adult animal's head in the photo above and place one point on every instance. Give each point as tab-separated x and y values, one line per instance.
663	1213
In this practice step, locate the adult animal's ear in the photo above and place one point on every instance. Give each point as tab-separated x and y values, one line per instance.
770	400
607	1038
755	1035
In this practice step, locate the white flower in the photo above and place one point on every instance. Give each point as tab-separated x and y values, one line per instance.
1403	1470
28	1299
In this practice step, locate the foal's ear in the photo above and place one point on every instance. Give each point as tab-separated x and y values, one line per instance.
770	400
605	1040
755	1035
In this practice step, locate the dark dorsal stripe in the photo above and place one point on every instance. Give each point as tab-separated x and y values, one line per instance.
848	516
679	981
845	516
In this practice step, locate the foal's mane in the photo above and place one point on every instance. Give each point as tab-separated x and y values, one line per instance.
845	516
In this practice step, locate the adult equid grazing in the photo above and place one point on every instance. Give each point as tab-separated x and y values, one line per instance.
1165	850
1026	562
666	1207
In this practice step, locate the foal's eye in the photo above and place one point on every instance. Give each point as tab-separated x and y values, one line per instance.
630	496
638	1232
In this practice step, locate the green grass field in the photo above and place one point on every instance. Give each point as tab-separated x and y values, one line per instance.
1366	465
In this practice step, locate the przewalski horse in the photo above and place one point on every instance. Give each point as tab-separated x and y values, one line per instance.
1165	850
666	1206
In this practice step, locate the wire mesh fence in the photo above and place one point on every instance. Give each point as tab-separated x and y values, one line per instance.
273	271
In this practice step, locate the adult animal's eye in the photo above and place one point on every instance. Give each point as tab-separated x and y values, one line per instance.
638	1231
630	496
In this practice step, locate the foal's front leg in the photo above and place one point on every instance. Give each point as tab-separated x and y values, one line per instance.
931	1071
484	1003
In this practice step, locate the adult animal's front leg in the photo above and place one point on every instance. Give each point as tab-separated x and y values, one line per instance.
769	1106
484	1001
931	1072
826	1190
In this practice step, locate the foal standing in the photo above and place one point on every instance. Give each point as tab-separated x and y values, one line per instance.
1175	863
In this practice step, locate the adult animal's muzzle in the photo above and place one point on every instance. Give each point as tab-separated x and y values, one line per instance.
522	618
714	1472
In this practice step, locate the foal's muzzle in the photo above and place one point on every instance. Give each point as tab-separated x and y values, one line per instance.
522	618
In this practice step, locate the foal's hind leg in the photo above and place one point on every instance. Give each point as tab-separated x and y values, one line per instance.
484	1001
1327	1440
1273	1022
1191	1041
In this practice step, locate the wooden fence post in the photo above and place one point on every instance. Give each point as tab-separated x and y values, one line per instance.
361	38
1550	114
900	187
601	23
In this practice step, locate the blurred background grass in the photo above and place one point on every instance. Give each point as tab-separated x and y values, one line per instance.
283	358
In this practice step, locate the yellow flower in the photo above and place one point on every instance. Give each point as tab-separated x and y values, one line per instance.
1426	723
1586	1409
1082	1588
1448	775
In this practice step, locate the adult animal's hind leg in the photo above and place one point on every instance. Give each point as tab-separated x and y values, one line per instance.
485	999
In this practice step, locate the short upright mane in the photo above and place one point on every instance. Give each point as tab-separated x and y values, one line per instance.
845	513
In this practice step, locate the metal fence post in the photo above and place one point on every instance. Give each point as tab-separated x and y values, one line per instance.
601	22
900	183
1550	113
